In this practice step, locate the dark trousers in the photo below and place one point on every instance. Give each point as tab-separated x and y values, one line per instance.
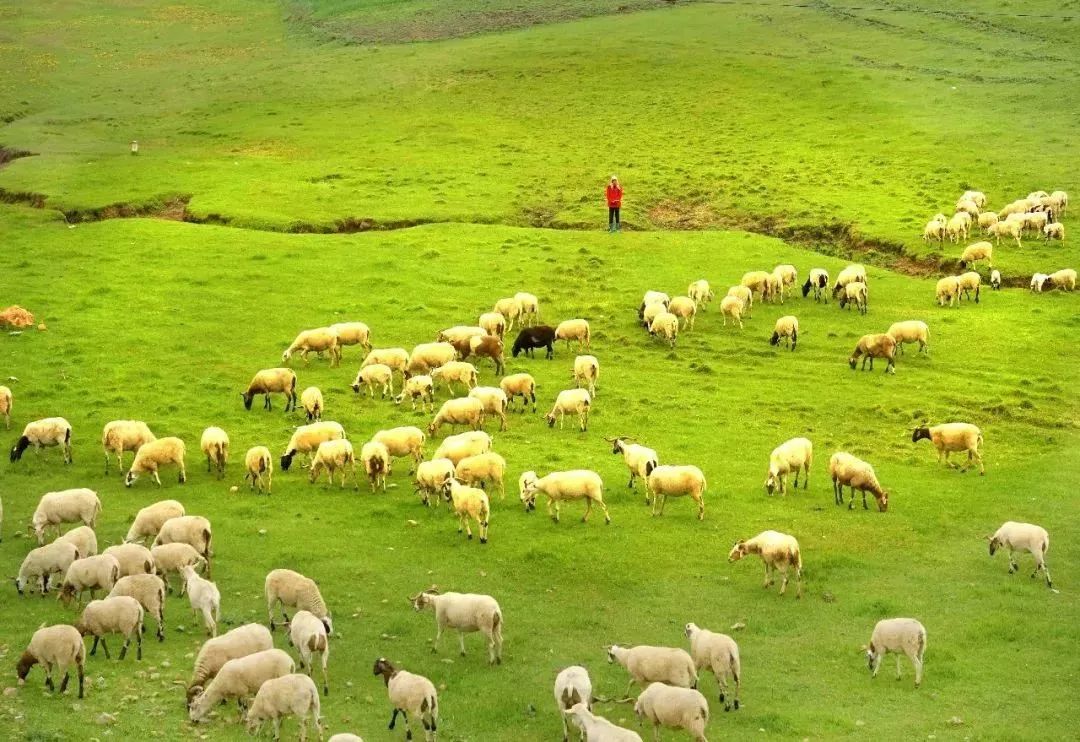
612	215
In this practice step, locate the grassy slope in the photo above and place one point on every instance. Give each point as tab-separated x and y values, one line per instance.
141	324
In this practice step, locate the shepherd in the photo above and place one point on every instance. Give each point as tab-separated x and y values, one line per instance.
614	203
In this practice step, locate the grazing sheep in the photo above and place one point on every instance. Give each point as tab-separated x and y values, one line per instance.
410	694
586	372
407	441
976	197
494	400
776	287
795	455
308	438
1061	200
510	308
311	399
519	385
874	346
685	309
155	454
238	678
431	476
987	219
308	634
149	590
759	282
66	506
530	308
459	334
950	437
377	374
573	402
1023	537
487	346
1054	231
6	398
427	356
44	433
54	647
1019	206
818	282
956	228
700	292
259	466
418	387
1037	281
149	520
651	312
193	530
732	306
396	358
463	445
934	230
666	326
653	297
345	737
320	340
375	457
1005	229
596	728
461	411
573	687
995	279
675	481
910	331
272	381
947	288
786	327
493	324
134	559
1062	279
291	589
968	207
574	329
778	551
119	436
976	252
677	708
468	502
54	558
453	372
854	293
465	612
787	274
119	615
576	484
647	665
900	636
845	469
289	695
215	445
718	653
481	469
84	538
970	281
214	653
850	274
333	456
88	573
530	338
204	597
639	459
352	333
172	558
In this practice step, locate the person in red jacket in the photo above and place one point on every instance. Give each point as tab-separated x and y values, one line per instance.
614	203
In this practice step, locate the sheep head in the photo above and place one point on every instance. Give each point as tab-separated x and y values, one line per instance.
920	433
738	551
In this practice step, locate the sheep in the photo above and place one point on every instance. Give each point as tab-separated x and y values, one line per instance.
786	327
596	728
291	589
530	338
465	612
845	469
900	636
571	401
461	411
459	336
1023	537
977	197
970	281
1018	206
987	219
850	274
934	230
307	439
519	385
677	708
119	436
700	292
732	306
119	615
455	372
718	653
149	590
963	437
376	374
940	218
1062	279
431	476
493	324
427	356
968	207
855	293
396	358
66	506
149	520
995	279
215	445
1054	231
193	530
675	481
494	400
214	653
574	329
172	557
44	561
89	573
647	664
947	288
375	457
44	433
308	634
155	454
976	252
1061	200
272	381
410	694
778	551
795	455
875	346
289	695
345	737
1005	229
400	442
1037	281
6	398
666	326
311	399
910	331
652	312
462	445
787	274
758	282
321	339
468	502
84	538
639	459
818	282
481	469
573	687
54	647
134	559
259	465
530	308
653	297
334	456
685	309
238	678
487	346
575	484
352	333
204	598
956	228
418	387
510	308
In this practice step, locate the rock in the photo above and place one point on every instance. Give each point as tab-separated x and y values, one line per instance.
956	721
234	489
41	327
828	597
860	723
105	719
262	531
412	522
10	691
739	626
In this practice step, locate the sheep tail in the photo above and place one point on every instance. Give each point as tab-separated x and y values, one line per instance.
570	697
208	536
67	436
649	466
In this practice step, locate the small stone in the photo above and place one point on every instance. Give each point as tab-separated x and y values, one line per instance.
105	719
262	531
483	573
234	489
412	522
166	663
860	723
448	661
739	626
956	721
155	676
828	597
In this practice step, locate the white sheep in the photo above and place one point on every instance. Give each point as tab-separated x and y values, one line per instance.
874	346
647	664
306	439
574	329
509	307
468	502
84	538
193	530
1006	228
969	207
239	678
586	372
375	457
685	309
272	381
976	252
947	288
484	468
428	356
308	634
293	590
332	457
149	520
845	469
950	437
420	387
455	372
377	374
66	506
674	707
573	687
855	293
977	197
530	308
54	558
44	433
786	327
320	340
665	326
956	228
205	598
259	468
465	613
778	551
493	323
700	292
1023	537
396	358
1037	281
676	481
651	312
55	648
732	306
430	478
460	411
719	654
850	274
970	281
818	282
345	737
899	636
170	558
759	282
155	454
6	402
573	402
288	695
119	436
559	486
934	230
214	653
90	573
494	400
995	279
639	459
462	445
795	455
215	445
118	615
1054	231
1062	279
910	331
406	441
596	728
519	385
654	297
987	219
311	399
149	590
352	333
410	694
134	559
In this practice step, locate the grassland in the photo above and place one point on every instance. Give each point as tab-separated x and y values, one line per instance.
725	115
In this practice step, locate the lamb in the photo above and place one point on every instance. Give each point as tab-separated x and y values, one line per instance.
119	436
758	282
493	323
1062	279
482	468
461	411
431	476
818	282
845	469
718	653
468	502
288	695
465	612
530	307
732	306
427	356
54	647
700	292
396	358
204	598
1037	281
320	340
44	433
119	615
947	288
778	551
418	387
666	326
685	309
272	381
291	589
214	653
238	678
84	538
1023	537
400	442
149	520
89	573
457	447
410	694
334	456
970	281
149	590
66	506
786	327
934	230
995	279
215	444
308	634
519	385
494	400
574	329
675	481
559	486
573	687
311	399
172	557
352	333
455	372
850	274
647	665
639	459
571	401
953	437
978	251
874	346
510	308
376	460
677	708
487	346
1054	231
854	293
259	465
987	219
596	728
795	455
193	530
155	454
900	636
44	561
5	406
134	559
376	374
308	438
1005	229
530	338
910	331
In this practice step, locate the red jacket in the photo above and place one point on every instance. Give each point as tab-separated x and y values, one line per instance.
614	196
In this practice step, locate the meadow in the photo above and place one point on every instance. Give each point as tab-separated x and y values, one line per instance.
477	162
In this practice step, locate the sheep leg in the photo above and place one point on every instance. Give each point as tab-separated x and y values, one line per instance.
161	623
864	506
783	583
461	641
208	621
157	479
123	649
325	677
105	647
768	575
898	665
97	639
553	512
49	680
303	726
875	665
918	664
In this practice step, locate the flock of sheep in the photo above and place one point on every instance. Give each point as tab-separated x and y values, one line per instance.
243	663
